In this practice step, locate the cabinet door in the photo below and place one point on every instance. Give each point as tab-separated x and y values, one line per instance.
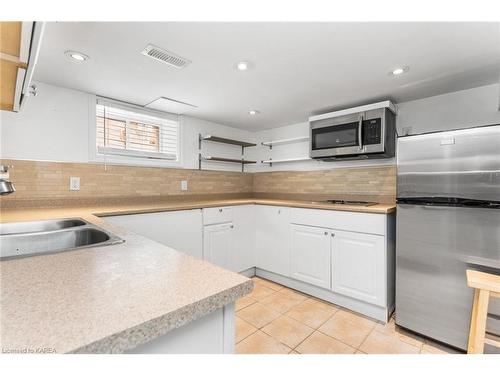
273	239
358	267
243	251
180	230
310	255
217	244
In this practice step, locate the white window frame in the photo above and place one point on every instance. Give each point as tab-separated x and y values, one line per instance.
124	157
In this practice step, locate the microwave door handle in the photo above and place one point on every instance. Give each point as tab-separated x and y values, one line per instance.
360	130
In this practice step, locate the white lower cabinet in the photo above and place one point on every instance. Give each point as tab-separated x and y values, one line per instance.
359	266
273	239
344	257
310	255
229	237
243	251
180	230
348	263
218	244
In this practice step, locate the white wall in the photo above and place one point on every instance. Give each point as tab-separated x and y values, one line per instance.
54	126
461	109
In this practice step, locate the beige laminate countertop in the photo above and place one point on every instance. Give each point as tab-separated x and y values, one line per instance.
113	298
105	299
23	214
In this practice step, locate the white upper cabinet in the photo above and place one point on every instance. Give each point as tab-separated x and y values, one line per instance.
218	244
19	49
359	266
273	239
310	255
180	230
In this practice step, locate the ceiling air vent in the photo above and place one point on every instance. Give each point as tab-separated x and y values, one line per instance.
165	56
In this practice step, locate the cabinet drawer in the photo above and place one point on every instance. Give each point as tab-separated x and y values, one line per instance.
343	220
217	215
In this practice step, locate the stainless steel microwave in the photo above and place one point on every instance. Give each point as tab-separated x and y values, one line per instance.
359	135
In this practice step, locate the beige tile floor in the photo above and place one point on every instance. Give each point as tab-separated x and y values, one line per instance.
274	319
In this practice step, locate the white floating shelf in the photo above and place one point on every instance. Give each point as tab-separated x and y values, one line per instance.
284	160
285	141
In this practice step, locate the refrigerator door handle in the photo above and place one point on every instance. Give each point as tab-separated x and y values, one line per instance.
360	132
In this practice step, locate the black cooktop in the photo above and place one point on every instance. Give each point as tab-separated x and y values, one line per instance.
351	203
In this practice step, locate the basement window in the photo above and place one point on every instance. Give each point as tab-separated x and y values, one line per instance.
125	131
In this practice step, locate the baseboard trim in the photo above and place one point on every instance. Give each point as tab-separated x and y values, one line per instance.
379	313
249	272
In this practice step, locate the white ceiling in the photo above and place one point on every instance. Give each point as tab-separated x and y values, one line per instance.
299	68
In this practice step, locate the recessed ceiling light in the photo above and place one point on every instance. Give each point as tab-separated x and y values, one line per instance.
243	65
76	56
399	70
253	112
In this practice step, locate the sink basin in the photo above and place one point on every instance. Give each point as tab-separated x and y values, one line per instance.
39	226
75	235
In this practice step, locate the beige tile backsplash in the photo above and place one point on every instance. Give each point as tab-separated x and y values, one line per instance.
40	180
36	179
361	181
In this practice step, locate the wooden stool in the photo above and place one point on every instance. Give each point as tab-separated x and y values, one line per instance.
486	285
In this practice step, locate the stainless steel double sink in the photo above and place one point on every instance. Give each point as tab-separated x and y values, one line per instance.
32	238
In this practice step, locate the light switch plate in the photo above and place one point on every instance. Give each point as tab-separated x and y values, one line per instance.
74	183
184	185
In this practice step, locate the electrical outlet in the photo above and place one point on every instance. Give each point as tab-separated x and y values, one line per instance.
184	185
74	183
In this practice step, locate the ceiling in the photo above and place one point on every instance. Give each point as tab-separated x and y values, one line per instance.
298	69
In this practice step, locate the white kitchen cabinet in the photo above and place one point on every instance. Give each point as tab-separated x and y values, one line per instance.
273	239
180	230
218	244
243	249
359	266
310	254
217	215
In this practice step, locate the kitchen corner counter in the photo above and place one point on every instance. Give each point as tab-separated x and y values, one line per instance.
101	210
106	299
113	298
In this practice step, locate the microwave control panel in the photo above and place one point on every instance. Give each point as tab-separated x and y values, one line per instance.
372	131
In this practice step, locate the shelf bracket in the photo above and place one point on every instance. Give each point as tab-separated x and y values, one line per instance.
199	151
242	158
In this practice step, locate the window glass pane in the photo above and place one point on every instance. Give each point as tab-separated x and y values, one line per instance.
143	137
111	133
122	129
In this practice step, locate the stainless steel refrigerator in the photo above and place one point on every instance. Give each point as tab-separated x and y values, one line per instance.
448	220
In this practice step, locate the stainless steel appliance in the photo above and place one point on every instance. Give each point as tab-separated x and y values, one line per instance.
356	133
448	220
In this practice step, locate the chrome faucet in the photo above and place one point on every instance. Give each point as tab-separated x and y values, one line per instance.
6	187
